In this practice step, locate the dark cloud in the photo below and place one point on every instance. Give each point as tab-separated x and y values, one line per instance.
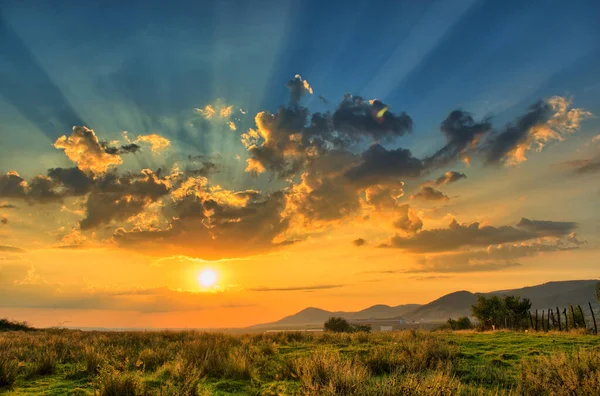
3	220
494	257
462	132
212	227
298	88
429	193
584	166
8	206
449	177
359	242
123	149
12	185
460	235
408	220
11	249
545	228
381	166
120	197
430	277
356	119
295	288
73	179
516	134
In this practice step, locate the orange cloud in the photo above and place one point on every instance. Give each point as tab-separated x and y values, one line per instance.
157	142
84	148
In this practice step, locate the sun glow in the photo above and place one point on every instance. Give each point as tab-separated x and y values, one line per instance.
207	277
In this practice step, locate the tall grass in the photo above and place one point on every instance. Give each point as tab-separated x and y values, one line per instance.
194	363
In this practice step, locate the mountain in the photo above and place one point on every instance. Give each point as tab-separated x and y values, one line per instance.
453	305
316	316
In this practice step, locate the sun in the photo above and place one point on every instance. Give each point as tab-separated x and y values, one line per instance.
207	277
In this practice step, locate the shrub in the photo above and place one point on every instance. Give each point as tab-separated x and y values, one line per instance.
45	363
12	325
337	325
328	373
462	323
8	370
341	325
120	384
575	373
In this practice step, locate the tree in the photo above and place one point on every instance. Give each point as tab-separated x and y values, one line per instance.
510	312
337	325
341	325
489	311
462	323
598	291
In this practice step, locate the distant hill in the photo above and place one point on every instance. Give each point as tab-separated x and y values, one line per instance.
316	316
544	296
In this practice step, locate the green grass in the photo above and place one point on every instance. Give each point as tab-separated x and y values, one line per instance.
64	362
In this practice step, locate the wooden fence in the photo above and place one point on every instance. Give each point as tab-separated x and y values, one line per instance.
565	319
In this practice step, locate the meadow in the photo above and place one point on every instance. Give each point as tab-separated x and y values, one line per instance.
70	362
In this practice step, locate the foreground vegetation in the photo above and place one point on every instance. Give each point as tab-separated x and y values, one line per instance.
400	363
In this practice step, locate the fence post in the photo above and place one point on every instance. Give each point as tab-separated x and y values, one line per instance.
550	313
593	318
536	321
558	315
542	320
582	317
573	315
530	320
566	319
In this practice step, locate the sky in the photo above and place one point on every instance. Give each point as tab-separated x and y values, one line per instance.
225	163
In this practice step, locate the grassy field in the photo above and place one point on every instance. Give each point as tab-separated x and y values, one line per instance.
66	362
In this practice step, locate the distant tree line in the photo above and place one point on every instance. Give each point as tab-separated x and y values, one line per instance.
341	325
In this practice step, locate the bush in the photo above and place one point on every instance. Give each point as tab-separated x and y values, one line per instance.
8	370
328	373
462	323
121	384
11	325
45	363
341	325
576	373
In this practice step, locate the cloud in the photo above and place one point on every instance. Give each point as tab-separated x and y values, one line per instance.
431	277
355	119
544	228
11	249
298	88
359	242
449	177
584	166
3	220
5	205
545	121
295	288
429	193
462	134
73	179
157	142
474	235
381	166
459	235
213	223
408	220
12	185
84	149
120	197
494	257
596	139
41	188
